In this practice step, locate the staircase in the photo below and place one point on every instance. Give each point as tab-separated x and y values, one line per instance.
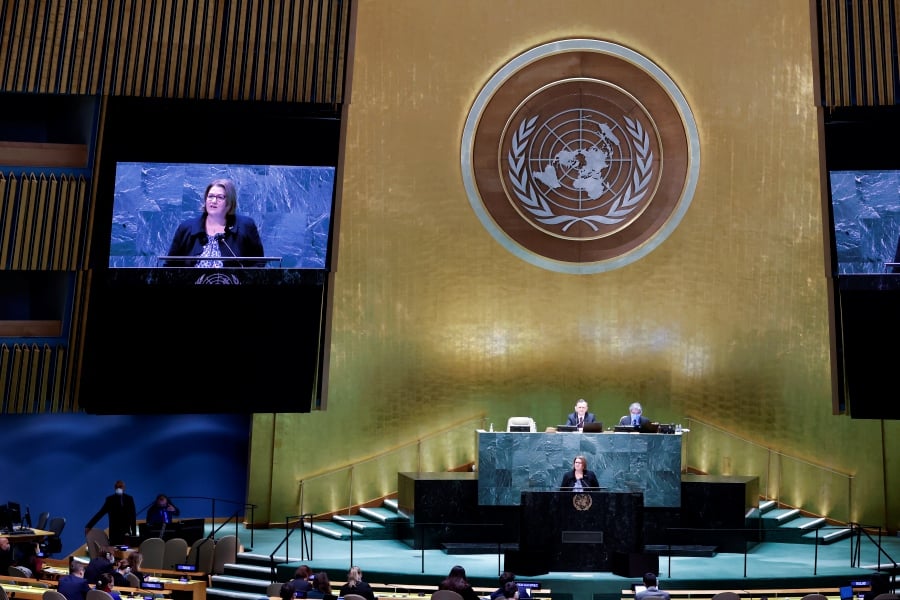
249	577
789	525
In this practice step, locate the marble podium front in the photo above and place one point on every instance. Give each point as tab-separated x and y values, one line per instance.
512	463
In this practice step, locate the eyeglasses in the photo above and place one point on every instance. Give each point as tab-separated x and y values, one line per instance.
215	196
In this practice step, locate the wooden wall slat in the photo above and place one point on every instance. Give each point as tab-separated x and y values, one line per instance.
5	359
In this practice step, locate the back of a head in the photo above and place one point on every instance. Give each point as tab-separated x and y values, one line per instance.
510	589
457	571
506	577
76	568
322	583
287	590
354	575
303	572
650	579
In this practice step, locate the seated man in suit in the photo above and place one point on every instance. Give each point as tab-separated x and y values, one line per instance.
581	415
652	592
635	417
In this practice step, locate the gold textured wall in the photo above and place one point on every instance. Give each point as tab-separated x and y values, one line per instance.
726	322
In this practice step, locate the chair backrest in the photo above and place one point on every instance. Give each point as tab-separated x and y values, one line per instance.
153	550
726	596
97	542
226	552
56	525
3	595
274	589
202	554
814	597
42	520
98	595
175	553
52	595
357	597
521	422
132	579
887	596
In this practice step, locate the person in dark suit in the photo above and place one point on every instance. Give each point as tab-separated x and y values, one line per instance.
652	591
505	577
74	586
581	415
635	417
162	511
119	507
580	477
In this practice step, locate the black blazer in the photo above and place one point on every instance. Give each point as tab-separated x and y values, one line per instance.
588	418
122	517
589	480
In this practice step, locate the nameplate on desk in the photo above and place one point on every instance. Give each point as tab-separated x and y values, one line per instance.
152	585
190	568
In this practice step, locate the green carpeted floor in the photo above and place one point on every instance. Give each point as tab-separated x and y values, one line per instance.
768	565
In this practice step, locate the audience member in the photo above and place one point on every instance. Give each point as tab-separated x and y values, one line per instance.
6	555
356	585
321	587
302	580
135	560
287	590
162	511
122	569
511	591
74	586
119	507
505	577
100	564
457	582
651	591
106	584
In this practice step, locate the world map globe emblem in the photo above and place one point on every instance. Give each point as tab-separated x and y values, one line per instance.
582	172
579	156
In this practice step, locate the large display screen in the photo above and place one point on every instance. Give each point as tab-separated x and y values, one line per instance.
291	207
211	333
866	221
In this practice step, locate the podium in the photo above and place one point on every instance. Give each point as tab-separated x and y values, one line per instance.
576	531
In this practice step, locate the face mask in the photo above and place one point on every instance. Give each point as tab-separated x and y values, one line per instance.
120	491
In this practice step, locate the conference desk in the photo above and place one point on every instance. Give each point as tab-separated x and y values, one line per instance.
35	535
512	463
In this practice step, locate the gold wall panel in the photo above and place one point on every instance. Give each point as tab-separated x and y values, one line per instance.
726	322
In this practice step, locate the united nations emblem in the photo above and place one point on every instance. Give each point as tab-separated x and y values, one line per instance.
580	156
582	502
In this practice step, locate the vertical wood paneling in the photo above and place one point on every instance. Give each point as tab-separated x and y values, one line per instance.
859	59
290	50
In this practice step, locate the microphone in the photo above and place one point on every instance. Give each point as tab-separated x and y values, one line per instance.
221	238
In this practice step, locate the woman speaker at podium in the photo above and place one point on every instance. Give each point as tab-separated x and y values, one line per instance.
580	477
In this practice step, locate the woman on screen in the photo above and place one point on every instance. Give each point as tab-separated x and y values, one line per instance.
218	232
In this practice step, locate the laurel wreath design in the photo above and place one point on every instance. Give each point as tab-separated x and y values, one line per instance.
622	205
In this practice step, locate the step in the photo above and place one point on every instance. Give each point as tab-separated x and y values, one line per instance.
234	595
392	504
239	584
476	548
330	529
827	535
382	515
248	571
779	516
767	505
682	550
370	529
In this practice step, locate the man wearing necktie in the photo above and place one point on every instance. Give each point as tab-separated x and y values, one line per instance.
119	507
635	417
581	415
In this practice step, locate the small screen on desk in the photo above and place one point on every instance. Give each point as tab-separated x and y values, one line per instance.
152	585
185	567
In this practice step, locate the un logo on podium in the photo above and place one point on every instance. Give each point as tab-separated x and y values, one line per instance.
580	156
